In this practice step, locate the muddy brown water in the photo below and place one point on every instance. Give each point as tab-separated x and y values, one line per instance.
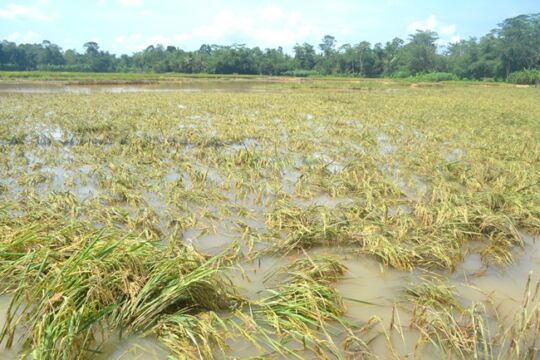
53	87
380	291
369	289
378	288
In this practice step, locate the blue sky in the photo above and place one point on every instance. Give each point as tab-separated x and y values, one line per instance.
125	26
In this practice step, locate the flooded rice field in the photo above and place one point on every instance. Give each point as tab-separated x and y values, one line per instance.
60	87
224	222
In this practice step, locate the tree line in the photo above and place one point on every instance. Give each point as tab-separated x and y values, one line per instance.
512	46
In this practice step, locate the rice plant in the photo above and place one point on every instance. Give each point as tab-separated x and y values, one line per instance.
124	213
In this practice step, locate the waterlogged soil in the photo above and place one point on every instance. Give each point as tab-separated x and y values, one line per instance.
211	165
52	87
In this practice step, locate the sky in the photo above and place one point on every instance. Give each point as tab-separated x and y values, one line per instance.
126	26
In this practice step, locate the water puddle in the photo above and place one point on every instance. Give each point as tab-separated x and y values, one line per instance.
203	173
399	209
411	185
385	146
9	354
46	135
323	200
244	144
330	164
132	348
52	87
454	155
503	287
212	239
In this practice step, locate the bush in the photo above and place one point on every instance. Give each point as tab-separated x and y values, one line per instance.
436	77
65	68
10	67
524	77
400	74
300	73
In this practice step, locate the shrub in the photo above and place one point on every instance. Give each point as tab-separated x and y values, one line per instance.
436	76
400	74
525	77
301	73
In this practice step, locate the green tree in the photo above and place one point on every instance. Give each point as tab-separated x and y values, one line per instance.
421	52
328	45
91	48
304	56
393	58
519	42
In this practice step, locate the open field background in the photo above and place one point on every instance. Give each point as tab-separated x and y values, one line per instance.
318	218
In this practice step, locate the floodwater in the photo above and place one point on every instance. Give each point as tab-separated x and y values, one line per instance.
54	87
371	292
8	354
374	293
132	348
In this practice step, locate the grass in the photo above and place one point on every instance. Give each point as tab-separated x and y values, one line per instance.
125	213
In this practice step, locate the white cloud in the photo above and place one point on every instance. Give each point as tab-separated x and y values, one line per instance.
428	24
270	13
129	3
124	3
447	29
27	37
344	30
268	26
137	41
280	37
182	37
454	39
156	39
13	36
32	12
447	32
70	43
147	13
392	3
226	22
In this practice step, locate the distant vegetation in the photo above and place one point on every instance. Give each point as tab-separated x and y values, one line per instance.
528	77
513	46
